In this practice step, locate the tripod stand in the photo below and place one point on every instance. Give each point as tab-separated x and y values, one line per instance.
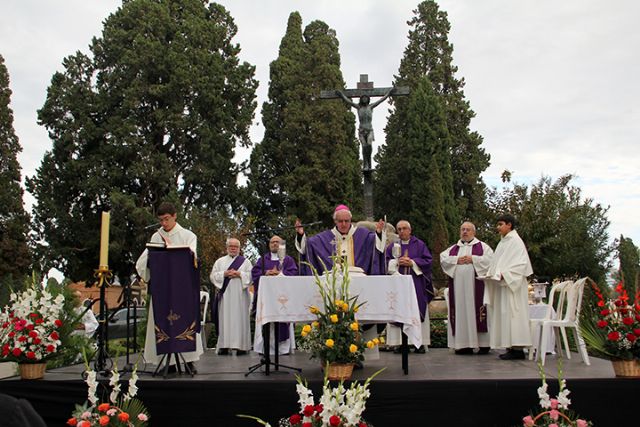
266	353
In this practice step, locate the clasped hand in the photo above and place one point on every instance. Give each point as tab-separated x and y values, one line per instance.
232	273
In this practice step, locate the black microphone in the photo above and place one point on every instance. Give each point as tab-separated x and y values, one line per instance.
157	224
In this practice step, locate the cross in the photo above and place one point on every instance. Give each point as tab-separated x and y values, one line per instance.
365	87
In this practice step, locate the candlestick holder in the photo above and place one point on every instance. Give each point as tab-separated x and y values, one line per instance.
102	358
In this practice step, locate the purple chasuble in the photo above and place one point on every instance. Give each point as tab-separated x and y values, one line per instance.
215	307
289	268
322	246
175	289
481	309
417	250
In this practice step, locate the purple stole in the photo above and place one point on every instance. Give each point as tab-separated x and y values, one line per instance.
215	307
481	309
265	263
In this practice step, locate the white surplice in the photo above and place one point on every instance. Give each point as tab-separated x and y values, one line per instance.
508	293
177	236
464	275
233	313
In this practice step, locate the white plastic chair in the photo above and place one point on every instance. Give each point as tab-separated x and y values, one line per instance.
555	308
204	296
570	319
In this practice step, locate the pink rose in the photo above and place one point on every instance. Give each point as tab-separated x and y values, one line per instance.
581	423
528	421
553	425
554	404
553	414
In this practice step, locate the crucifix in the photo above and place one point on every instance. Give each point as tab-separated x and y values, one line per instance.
365	91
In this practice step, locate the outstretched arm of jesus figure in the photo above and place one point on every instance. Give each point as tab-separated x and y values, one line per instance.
346	99
379	101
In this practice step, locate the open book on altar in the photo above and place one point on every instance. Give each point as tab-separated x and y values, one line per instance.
162	245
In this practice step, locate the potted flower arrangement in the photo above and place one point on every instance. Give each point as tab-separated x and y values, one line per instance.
30	329
121	409
335	337
616	331
338	407
554	411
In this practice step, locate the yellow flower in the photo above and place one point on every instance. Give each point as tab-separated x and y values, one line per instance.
334	318
339	303
354	326
315	324
314	310
381	340
303	333
376	341
353	348
370	344
329	343
306	329
345	306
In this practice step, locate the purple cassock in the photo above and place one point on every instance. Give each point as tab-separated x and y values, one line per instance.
322	246
175	289
481	309
289	268
419	253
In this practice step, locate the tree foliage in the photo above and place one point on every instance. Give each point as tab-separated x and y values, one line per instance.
307	161
430	54
566	235
629	257
15	258
153	114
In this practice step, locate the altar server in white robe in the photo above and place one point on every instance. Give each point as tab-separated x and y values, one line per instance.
231	275
171	234
468	326
509	302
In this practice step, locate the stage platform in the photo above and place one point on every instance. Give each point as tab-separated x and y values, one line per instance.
441	389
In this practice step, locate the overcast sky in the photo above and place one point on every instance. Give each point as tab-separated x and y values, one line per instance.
554	84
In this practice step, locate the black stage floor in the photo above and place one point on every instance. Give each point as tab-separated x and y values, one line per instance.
441	389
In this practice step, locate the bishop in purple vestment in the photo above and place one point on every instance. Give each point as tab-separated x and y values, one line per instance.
413	258
362	249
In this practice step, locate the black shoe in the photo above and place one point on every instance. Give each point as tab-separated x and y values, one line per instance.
241	352
223	351
191	367
484	350
466	350
420	350
513	355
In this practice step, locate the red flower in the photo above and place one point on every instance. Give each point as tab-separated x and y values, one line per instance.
103	407
631	337
5	351
30	355
58	323
33	315
37	341
613	336
638	317
84	424
22	338
605	312
618	303
628	321
308	410
55	336
5	325
33	334
16	352
362	425
50	348
72	422
637	331
11	334
30	327
39	321
123	417
104	420
600	303
334	420
602	324
307	424
319	408
295	419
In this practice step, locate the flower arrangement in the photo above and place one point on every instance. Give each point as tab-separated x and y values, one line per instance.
555	411
121	410
338	407
335	336
617	328
30	326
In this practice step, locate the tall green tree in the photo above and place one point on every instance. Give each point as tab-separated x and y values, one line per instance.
307	161
566	235
429	53
629	257
414	179
154	113
15	257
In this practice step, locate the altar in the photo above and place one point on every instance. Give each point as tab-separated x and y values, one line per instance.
386	299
